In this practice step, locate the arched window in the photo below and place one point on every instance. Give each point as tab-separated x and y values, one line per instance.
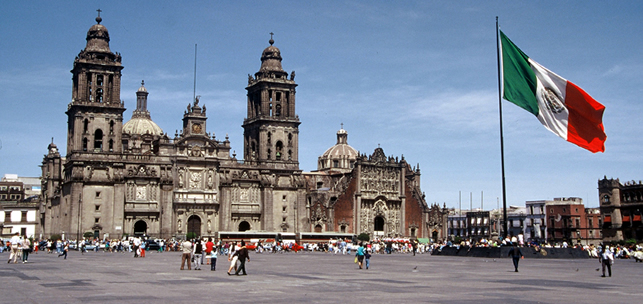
111	127
111	145
244	226
278	110
98	140
85	144
278	149
85	125
99	95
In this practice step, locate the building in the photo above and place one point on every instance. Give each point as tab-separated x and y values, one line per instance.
620	208
536	221
132	178
19	206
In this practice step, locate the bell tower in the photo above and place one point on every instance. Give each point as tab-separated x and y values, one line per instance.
271	129
95	114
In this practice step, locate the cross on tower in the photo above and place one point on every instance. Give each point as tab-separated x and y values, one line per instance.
99	10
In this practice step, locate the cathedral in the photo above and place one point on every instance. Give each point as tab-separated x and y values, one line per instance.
131	178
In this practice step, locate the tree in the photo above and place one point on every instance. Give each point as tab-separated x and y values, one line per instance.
191	235
88	235
364	237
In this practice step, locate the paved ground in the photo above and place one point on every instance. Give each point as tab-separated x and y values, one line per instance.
315	277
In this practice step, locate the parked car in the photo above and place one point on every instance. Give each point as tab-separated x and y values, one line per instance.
152	245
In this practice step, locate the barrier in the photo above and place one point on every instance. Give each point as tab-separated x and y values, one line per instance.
503	252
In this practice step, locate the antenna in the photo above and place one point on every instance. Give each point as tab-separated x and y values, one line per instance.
194	92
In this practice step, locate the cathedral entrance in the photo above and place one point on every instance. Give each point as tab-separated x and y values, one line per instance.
378	226
140	228
194	225
434	235
244	226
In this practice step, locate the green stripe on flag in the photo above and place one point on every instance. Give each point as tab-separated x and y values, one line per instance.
519	79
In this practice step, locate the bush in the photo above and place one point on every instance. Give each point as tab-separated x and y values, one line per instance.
88	235
55	237
191	235
363	237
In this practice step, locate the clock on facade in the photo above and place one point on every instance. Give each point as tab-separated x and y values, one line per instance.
196	128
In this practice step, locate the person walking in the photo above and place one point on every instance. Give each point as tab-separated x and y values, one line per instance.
232	257
186	248
367	257
197	252
65	249
15	244
26	249
213	259
243	256
516	255
360	255
606	260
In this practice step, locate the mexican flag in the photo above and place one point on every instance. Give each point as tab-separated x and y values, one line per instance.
561	106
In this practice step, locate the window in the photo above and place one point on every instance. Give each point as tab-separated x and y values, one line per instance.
335	164
283	198
98	140
283	209
96	220
319	185
111	145
591	223
283	219
85	144
3	188
97	208
85	125
97	194
342	228
24	216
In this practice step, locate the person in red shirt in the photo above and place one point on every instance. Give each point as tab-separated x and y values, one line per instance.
208	248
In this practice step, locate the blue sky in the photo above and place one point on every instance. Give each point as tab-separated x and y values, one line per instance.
418	78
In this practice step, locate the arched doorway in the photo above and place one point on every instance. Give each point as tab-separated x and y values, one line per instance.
434	236
318	228
244	226
194	225
140	228
378	226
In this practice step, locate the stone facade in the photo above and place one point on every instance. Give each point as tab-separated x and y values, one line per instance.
620	207
132	178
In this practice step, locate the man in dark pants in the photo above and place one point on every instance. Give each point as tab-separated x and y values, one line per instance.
243	255
516	255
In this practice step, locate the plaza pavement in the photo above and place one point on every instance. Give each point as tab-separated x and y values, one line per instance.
98	277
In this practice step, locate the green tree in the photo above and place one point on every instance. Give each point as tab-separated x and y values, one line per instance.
88	235
191	235
363	237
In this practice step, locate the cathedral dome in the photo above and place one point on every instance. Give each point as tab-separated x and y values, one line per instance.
271	61
141	122
339	156
141	126
98	38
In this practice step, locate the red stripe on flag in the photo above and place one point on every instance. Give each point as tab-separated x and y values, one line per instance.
585	127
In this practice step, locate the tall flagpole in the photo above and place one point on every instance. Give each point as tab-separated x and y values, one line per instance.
502	143
194	90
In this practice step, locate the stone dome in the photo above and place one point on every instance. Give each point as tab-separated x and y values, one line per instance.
98	38
271	61
339	156
141	126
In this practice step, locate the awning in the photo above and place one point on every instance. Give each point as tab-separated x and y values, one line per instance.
637	217
626	218
608	219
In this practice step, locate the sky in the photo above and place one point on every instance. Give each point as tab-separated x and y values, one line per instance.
417	78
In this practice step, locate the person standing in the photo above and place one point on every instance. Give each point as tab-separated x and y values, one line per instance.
197	252
15	246
243	256
515	255
208	250
186	247
136	244
607	258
